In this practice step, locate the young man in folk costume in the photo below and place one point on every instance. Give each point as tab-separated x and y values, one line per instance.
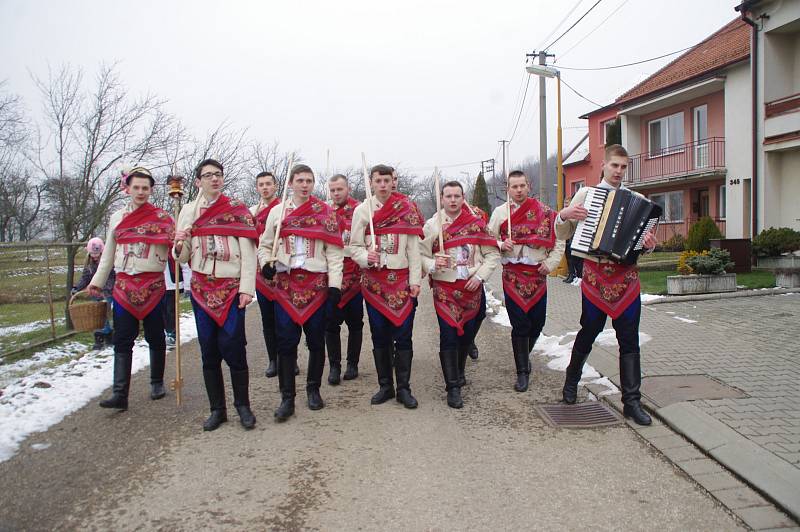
307	267
608	289
265	289
216	236
529	253
457	281
391	280
350	309
137	247
473	349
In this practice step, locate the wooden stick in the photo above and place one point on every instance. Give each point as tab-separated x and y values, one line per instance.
368	199
176	192
50	293
439	213
283	210
328	176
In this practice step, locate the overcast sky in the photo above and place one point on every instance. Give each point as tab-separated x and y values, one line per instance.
419	83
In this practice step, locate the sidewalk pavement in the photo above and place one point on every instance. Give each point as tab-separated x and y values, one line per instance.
747	343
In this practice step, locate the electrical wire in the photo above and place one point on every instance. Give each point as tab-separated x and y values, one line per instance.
563	20
573	25
521	108
561	56
578	93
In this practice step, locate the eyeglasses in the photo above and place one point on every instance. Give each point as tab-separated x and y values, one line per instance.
209	175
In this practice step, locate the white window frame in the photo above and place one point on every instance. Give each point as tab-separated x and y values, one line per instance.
605	129
667	202
664	149
700	144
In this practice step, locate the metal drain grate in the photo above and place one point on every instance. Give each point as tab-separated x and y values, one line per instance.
580	416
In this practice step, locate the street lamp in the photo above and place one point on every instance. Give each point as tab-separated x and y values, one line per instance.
550	72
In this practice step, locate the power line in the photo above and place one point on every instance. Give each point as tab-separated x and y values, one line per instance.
578	93
573	25
569	13
561	56
521	108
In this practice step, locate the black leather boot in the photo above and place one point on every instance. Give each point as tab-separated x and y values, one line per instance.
334	346
215	388
272	366
98	341
287	364
463	352
402	371
522	361
630	376
122	382
108	339
450	370
354	337
240	381
473	351
569	278
383	366
573	376
157	362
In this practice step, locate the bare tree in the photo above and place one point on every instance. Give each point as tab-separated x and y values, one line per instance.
20	205
268	157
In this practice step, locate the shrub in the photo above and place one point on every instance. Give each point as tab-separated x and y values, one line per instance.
683	267
711	262
676	242
774	242
700	233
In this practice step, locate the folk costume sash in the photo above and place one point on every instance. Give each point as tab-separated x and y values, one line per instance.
524	284
226	217
532	224
314	219
301	292
467	228
139	294
455	304
344	215
398	216
264	286
610	287
147	224
351	281
388	291
215	295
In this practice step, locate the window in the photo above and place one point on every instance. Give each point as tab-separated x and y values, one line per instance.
665	134
576	185
672	203
612	134
723	201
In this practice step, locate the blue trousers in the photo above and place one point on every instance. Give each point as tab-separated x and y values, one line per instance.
448	335
387	334
126	329
289	339
527	324
352	314
593	320
226	343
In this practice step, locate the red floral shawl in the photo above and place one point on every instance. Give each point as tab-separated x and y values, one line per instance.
226	217
344	214
261	216
524	284
610	287
455	304
398	216
531	224
467	228
301	293
139	294
147	224
313	219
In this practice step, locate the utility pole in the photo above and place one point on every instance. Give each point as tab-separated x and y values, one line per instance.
543	188
504	142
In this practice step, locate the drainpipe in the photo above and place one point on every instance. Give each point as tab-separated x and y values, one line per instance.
743	8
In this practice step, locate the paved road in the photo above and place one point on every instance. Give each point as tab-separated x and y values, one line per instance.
352	466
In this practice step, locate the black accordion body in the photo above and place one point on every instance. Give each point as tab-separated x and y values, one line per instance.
616	225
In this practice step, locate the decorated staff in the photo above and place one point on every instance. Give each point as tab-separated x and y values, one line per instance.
530	251
175	184
274	251
458	261
216	236
389	256
307	272
368	192
137	246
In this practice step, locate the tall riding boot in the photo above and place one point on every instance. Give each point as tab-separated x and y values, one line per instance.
402	371
353	353
334	345
215	388
449	360
383	366
316	366
522	361
463	352
272	365
122	382
98	341
570	391
630	376
473	351
240	381
287	363
157	362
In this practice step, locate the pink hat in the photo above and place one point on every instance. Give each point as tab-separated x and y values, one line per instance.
95	245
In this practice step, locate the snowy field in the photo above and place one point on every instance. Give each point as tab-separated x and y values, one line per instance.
38	392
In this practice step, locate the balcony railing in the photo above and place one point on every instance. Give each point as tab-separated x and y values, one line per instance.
685	160
789	104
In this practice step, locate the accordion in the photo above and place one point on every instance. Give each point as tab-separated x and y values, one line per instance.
616	224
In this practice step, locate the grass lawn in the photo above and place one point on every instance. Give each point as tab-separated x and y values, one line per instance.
657	256
655	281
23	274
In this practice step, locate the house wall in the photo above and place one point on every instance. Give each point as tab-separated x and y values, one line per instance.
782	190
738	149
716	118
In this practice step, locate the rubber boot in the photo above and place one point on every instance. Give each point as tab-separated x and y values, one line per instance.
240	381
354	337
383	366
316	367
522	361
630	376
157	363
98	341
334	346
122	382
272	366
215	388
108	339
450	370
402	371
473	351
573	376
287	364
463	352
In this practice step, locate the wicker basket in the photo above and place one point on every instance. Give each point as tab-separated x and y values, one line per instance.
87	315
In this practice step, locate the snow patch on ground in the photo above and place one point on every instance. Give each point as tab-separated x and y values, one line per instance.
27	327
43	397
576	281
608	338
650	297
684	320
